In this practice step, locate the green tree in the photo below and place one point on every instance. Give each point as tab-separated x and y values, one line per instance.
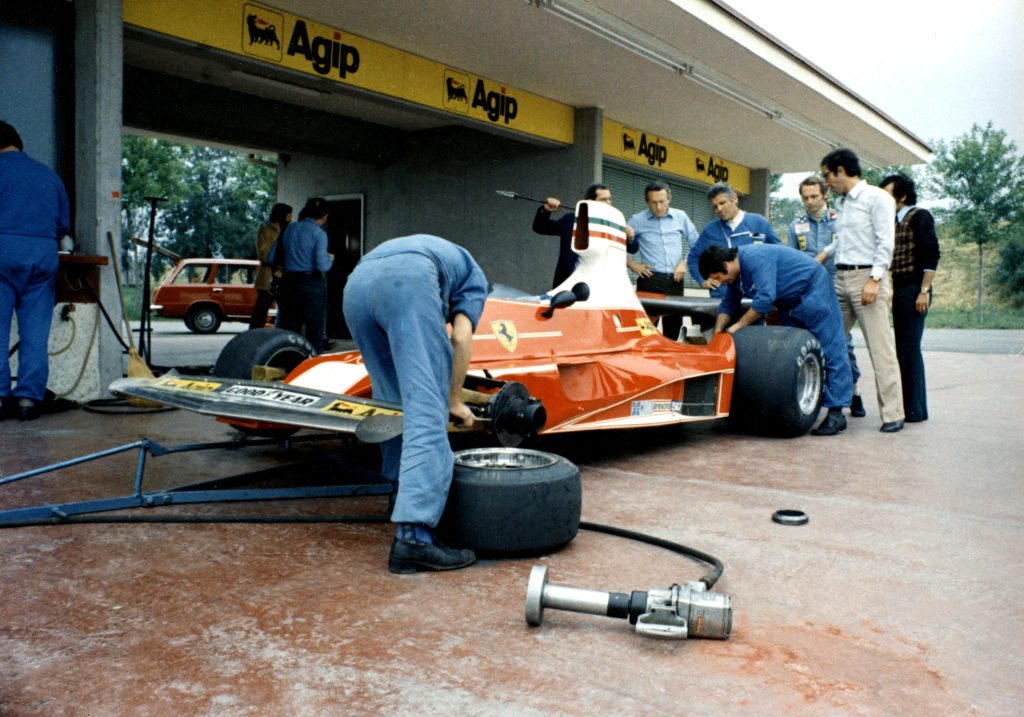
982	178
149	168
227	198
875	176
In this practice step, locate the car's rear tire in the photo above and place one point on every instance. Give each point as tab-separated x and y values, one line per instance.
777	387
203	319
512	502
262	347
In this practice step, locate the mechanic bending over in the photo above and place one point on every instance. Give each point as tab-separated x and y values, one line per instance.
802	290
398	301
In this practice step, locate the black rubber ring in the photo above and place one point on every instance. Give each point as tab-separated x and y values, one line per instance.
790	517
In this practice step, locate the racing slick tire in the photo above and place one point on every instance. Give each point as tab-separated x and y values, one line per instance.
203	319
511	502
262	347
777	386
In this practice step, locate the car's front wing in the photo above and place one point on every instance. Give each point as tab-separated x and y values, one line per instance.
268	402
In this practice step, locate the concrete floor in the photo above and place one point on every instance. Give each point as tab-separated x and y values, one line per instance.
902	596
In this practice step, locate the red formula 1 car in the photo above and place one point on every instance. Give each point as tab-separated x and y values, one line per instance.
586	356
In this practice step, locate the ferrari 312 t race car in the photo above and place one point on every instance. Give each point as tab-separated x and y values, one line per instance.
583	357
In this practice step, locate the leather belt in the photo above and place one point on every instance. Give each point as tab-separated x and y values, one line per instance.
852	267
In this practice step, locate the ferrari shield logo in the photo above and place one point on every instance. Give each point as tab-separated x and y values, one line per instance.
505	331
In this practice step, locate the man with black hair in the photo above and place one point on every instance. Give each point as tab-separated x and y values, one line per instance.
662	235
562	228
865	232
34	215
802	291
914	260
303	300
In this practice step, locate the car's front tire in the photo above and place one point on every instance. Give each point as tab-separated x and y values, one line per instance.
777	387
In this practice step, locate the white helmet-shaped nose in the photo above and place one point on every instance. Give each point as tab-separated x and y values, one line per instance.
599	227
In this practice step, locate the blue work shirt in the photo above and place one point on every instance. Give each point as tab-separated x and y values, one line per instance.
463	284
305	247
771	276
752	229
32	198
812	236
662	241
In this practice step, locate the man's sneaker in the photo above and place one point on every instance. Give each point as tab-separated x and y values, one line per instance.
408	557
834	423
857	407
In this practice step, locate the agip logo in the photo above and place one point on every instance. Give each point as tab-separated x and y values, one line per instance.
716	171
641	148
455	97
261	32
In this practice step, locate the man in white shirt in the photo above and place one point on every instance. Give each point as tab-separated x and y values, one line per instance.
865	234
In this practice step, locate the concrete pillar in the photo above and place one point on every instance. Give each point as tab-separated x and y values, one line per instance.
583	161
758	199
99	59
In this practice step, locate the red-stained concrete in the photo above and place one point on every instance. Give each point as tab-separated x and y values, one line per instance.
902	596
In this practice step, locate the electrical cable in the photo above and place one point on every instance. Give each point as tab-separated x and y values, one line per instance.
709	580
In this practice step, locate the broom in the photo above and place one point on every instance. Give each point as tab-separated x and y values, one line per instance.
137	367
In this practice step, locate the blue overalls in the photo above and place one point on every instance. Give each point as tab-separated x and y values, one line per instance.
34	214
801	289
397	303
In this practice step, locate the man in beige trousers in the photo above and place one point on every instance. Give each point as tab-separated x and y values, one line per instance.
865	234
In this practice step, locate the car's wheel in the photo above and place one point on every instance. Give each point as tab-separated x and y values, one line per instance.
507	502
777	388
262	347
203	319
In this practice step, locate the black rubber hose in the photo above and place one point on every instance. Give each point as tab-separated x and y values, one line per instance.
709	580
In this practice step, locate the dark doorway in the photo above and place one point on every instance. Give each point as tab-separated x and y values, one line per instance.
345	241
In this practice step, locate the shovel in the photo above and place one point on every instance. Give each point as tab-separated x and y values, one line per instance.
137	368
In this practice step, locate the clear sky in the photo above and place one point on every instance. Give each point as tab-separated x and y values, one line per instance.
934	66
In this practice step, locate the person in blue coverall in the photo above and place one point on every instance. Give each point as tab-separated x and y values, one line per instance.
303	299
802	291
733	228
398	302
812	233
34	215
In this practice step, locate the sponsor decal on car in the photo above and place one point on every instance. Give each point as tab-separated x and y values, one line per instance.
362	410
274	395
646	327
186	384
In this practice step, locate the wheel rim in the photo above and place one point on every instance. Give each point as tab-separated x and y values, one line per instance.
287	358
808	386
504	458
204	320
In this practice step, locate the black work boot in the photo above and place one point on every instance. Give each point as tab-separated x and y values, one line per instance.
834	422
408	556
857	407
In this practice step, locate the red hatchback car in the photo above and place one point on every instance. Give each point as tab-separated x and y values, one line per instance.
205	292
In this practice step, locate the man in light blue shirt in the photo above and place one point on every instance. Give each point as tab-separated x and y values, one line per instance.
865	234
303	300
663	236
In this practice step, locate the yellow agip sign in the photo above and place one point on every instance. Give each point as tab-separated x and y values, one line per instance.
653	152
263	33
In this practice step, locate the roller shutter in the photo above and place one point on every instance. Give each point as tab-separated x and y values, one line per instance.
628	186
